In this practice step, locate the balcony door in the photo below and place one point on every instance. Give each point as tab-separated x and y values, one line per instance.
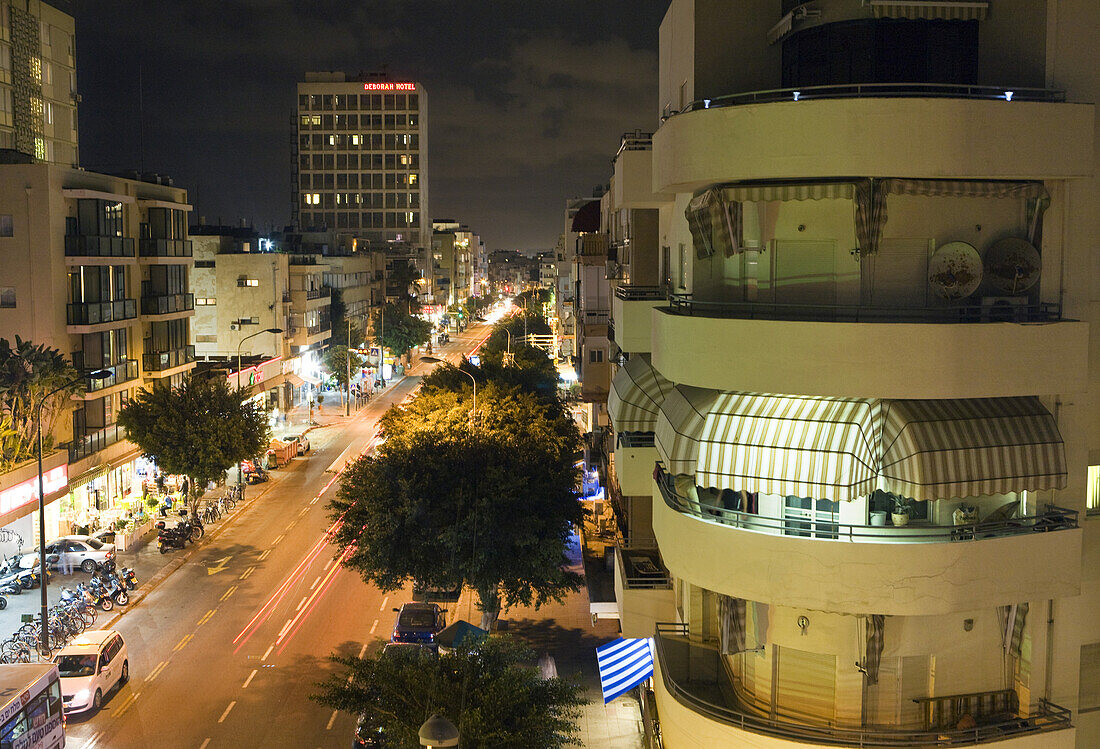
812	518
805	686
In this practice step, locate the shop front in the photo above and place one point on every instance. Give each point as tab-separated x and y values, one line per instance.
19	500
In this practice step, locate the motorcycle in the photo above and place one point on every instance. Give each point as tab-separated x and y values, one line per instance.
96	594
170	538
125	574
11	584
112	589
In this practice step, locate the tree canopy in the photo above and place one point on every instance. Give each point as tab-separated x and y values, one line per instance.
27	373
489	505
336	362
200	429
401	331
487	689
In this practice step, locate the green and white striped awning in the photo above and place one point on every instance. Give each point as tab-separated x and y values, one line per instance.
931	10
782	191
637	392
941	449
679	424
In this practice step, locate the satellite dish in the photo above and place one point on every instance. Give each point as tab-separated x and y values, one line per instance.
955	270
1013	265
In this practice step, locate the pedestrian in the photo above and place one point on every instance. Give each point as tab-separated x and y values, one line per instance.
184	487
65	562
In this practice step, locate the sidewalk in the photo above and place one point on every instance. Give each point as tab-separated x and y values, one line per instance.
565	631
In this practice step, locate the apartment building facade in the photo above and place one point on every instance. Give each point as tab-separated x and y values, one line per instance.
865	377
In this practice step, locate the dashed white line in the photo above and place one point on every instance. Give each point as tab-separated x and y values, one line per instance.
285	628
226	713
302	603
249	679
384	602
93	740
280	537
331	720
363	650
267	652
292	522
372	628
263	555
205	744
311	587
327	565
303	511
247	572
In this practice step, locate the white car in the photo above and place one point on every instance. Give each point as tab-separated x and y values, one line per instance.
80	552
90	666
301	439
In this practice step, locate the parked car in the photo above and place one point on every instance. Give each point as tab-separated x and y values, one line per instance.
302	441
90	666
418	623
85	552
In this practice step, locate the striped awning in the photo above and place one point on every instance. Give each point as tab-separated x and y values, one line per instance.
942	449
624	664
637	392
789	445
931	10
770	191
679	424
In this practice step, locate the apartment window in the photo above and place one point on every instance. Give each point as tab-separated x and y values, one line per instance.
682	281
248	282
249	321
7	227
595	356
1092	491
7	297
204	263
204	301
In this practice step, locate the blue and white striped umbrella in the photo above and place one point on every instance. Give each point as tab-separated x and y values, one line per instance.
624	664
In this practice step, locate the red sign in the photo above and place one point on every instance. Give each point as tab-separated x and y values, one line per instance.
389	87
26	492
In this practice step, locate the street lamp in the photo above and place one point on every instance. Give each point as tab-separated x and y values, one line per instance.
240	473
433	360
437	731
99	374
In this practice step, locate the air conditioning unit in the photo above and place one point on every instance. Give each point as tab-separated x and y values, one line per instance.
1004	308
234	326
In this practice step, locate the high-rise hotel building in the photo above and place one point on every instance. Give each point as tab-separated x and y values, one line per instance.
38	98
361	161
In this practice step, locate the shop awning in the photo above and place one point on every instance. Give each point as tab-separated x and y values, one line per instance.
788	445
90	475
941	449
294	379
931	10
315	381
679	424
783	191
637	392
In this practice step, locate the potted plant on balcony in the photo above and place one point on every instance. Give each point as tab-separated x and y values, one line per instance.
902	509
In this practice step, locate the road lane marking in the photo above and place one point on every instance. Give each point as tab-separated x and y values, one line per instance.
226	713
231	591
263	555
372	628
249	679
205	744
363	650
247	572
331	720
311	587
384	602
183	643
292	522
314	500
327	565
267	653
126	705
93	739
219	565
303	511
278	539
285	628
206	617
156	671
301	603
313	598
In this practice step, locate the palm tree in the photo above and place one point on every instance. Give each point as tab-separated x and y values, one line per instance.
28	373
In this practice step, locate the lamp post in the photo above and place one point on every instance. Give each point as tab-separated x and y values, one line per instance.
240	473
347	361
437	731
99	374
433	360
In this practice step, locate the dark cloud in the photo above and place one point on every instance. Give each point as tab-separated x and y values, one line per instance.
526	99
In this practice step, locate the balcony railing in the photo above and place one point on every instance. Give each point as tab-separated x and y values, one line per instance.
163	305
635	141
95	441
684	304
1052	519
324	291
120	373
77	245
689	673
635	439
877	90
641	566
640	293
595	317
162	360
164	247
93	313
317	329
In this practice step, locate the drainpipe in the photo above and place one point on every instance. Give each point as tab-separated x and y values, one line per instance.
1049	676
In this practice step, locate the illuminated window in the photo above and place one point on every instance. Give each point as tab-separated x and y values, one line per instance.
40	149
412	179
355	140
315	120
404	159
332	140
1092	491
305	120
36	70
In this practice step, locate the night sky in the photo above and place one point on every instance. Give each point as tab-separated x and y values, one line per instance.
527	99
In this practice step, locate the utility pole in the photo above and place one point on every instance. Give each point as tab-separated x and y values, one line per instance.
347	361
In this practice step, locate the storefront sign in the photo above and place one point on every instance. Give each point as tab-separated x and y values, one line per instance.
389	87
53	480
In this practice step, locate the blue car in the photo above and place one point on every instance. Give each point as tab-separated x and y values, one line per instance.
418	623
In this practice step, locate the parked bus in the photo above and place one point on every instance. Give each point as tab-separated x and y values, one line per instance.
31	713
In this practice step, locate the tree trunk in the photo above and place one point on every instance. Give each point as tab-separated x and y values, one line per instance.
489	604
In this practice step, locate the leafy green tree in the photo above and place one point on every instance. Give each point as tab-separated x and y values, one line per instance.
401	330
27	373
200	429
336	360
401	276
488	690
489	504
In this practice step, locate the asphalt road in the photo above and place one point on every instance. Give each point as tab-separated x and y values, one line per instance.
226	651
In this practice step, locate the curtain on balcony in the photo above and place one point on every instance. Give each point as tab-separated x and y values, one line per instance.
637	392
791	446
715	224
940	449
731	624
931	10
679	424
1013	618
876	628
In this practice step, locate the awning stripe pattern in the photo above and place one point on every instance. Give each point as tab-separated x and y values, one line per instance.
842	449
787	445
637	392
767	192
679	425
930	10
940	449
624	664
712	224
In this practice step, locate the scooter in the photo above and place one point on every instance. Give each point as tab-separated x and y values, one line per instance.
112	590
97	594
169	538
125	574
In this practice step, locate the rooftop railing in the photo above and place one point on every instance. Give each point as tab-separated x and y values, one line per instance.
1051	519
688	671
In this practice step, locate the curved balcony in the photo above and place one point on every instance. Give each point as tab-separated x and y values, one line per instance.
856	351
696	711
631	310
919	131
910	571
